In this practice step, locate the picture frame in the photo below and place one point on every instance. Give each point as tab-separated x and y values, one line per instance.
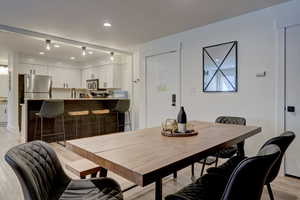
220	67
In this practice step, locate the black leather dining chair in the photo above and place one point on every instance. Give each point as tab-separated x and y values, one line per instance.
227	152
283	142
246	181
43	178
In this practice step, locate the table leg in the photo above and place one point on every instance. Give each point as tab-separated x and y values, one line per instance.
103	172
175	175
241	149
158	189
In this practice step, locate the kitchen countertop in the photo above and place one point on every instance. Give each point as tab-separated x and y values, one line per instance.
77	99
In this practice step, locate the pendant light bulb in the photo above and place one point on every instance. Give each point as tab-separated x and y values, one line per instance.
48	45
83	51
112	56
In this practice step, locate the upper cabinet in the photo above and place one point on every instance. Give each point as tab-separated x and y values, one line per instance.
37	69
65	76
108	76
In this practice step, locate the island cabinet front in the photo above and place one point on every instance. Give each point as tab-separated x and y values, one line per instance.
81	118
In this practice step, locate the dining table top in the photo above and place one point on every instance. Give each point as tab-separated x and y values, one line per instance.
143	155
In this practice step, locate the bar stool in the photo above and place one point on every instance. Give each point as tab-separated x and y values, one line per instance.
123	106
76	115
51	109
99	116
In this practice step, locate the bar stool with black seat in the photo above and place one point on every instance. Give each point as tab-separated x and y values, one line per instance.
100	118
41	176
77	115
51	109
122	106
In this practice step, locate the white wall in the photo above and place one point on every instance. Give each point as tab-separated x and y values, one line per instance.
12	106
3	85
257	34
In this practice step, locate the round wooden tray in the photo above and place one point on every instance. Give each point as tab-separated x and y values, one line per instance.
179	134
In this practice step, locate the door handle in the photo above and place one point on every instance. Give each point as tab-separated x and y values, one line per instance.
291	108
173	99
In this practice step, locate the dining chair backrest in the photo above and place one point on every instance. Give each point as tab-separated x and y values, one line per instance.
283	142
38	170
52	108
231	120
248	179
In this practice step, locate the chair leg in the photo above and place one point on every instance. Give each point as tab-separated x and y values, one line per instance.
193	169
129	120
118	125
94	175
175	175
76	127
42	129
203	166
217	160
63	129
35	127
270	191
104	125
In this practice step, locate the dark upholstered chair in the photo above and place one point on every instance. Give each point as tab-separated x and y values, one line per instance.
283	141
227	152
43	178
246	181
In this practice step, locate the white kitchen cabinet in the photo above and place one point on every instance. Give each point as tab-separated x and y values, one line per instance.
61	76
39	69
108	75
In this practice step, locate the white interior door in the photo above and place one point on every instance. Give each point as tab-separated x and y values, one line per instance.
162	87
292	164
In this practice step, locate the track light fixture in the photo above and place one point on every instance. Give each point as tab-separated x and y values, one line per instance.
48	45
112	56
83	51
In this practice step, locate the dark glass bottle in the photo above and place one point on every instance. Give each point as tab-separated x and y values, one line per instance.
181	120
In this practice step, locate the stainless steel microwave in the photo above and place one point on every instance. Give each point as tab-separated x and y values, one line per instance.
92	84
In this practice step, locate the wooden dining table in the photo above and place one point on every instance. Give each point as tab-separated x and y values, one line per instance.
145	156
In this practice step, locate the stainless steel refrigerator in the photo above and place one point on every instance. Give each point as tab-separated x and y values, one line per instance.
37	86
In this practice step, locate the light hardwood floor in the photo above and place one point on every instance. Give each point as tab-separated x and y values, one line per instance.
285	188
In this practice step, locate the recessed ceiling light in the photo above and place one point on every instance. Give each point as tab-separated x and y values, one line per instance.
72	58
107	24
90	52
56	45
42	53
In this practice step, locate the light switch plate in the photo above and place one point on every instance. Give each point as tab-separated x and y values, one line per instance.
261	74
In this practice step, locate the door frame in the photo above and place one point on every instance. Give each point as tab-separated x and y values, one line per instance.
280	104
159	52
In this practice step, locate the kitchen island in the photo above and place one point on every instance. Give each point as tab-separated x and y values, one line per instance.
88	125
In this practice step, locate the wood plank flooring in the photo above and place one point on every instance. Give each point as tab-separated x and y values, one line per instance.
285	188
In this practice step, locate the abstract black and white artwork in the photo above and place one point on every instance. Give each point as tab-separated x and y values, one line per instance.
220	67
